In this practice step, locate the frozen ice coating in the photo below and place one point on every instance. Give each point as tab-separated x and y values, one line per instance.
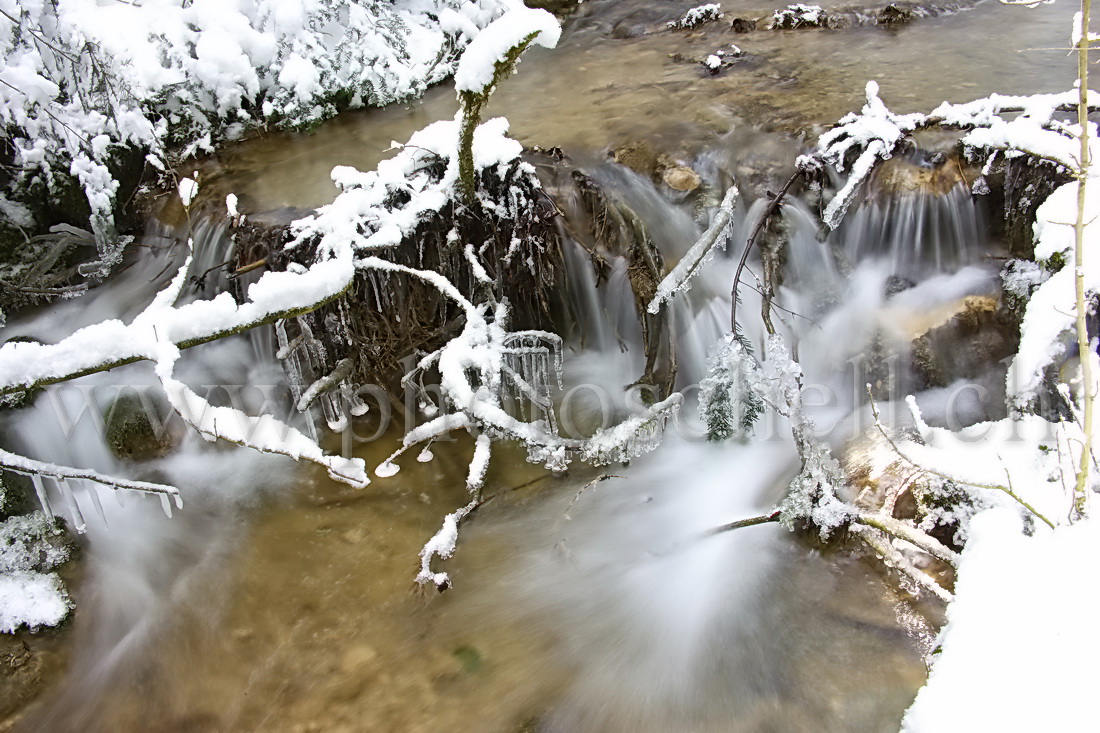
478	64
699	254
30	594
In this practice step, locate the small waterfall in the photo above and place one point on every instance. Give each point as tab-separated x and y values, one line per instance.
666	630
917	234
662	626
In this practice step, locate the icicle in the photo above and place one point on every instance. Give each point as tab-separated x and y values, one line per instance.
179	500
334	412
356	406
376	289
119	495
166	505
93	493
43	499
70	501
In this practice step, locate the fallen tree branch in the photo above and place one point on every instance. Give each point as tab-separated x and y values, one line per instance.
742	523
699	253
29	467
914	464
912	535
893	557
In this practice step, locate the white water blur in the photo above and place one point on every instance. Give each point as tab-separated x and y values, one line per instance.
142	570
664	628
661	628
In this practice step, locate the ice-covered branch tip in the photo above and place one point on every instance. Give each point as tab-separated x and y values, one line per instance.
875	132
442	544
29	467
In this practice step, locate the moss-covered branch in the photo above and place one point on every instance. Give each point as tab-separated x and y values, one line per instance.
473	102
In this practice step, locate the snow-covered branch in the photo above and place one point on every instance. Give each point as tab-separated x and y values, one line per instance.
699	254
83	81
1016	124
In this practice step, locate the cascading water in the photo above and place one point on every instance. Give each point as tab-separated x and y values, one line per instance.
640	619
665	627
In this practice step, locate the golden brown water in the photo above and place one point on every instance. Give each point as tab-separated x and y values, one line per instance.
312	622
315	625
595	91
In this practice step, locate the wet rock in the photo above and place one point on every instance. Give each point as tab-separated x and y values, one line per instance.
967	345
639	156
894	15
926	364
743	25
896	284
919	172
799	16
1026	183
640	22
681	178
134	427
20	674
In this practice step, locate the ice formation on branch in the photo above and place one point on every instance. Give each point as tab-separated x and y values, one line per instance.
159	333
700	253
872	135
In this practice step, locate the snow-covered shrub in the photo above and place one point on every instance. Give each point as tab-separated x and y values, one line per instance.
83	80
30	594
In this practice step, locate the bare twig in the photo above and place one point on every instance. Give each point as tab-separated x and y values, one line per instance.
584	488
742	523
911	462
772	207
